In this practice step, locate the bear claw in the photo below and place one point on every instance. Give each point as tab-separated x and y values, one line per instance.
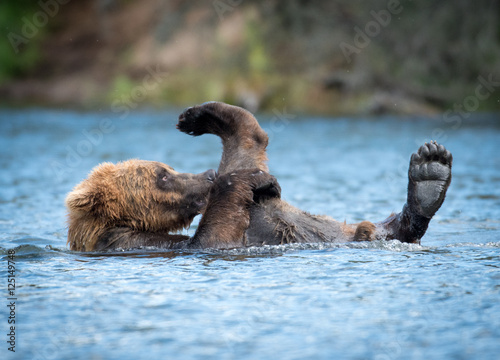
189	122
261	184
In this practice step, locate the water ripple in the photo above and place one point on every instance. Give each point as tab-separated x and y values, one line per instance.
380	300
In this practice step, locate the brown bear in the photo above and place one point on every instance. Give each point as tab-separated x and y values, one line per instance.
139	203
118	201
274	221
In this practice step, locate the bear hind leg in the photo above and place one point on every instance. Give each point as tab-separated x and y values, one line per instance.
429	177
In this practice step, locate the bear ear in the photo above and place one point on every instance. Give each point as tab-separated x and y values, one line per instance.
93	196
91	203
84	201
79	201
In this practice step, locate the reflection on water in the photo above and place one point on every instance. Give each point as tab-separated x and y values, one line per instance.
383	300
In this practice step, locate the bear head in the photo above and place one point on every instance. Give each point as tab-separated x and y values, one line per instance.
140	195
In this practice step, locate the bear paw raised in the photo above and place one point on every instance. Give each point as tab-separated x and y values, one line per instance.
262	184
191	122
265	187
429	178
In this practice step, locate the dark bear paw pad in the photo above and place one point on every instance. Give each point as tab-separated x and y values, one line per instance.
265	186
262	184
190	122
430	176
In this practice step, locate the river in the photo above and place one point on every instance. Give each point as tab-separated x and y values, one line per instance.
380	300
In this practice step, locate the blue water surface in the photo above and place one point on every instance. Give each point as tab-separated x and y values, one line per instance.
379	300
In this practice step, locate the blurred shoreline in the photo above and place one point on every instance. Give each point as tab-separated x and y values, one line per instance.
347	58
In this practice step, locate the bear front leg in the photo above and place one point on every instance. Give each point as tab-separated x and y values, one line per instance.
243	140
227	216
429	178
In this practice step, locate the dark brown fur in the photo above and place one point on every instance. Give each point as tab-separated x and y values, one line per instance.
139	203
243	139
227	216
274	221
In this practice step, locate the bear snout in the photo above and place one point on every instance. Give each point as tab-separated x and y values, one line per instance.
199	204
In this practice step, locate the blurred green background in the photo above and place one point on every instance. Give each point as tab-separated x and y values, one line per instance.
321	57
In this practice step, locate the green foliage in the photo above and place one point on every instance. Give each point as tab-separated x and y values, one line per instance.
257	58
430	52
122	87
17	63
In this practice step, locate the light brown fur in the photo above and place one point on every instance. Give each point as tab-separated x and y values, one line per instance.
138	203
126	195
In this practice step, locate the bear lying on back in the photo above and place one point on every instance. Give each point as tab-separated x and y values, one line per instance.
139	203
276	222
